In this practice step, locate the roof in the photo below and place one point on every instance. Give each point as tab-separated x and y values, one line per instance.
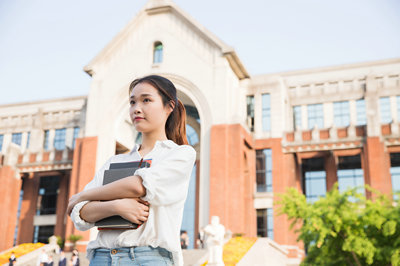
154	7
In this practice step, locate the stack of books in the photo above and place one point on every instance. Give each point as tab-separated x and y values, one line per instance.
118	171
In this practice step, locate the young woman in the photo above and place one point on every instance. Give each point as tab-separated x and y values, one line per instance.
153	197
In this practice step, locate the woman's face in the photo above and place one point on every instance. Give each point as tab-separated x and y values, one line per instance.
147	110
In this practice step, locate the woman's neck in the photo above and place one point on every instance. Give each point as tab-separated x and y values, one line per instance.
148	142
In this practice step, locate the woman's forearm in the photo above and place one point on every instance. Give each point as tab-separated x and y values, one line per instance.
129	187
94	211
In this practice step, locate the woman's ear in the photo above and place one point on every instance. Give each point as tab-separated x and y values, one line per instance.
171	106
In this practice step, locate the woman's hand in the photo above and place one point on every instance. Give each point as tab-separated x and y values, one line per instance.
75	199
134	210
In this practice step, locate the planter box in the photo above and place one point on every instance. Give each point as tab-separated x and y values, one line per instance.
342	133
32	157
290	136
306	135
324	134
360	131
386	129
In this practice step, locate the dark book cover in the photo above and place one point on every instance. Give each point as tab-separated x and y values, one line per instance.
118	171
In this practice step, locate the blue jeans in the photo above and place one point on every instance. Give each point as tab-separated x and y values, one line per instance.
143	256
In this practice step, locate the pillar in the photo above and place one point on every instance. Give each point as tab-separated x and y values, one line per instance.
83	171
9	191
232	178
377	165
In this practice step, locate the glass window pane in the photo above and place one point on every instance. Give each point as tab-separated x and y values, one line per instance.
1	142
28	139
361	112
264	170
16	138
46	140
59	139
76	135
266	112
297	117
270	223
398	108
384	105
250	111
158	53
315	116
350	174
341	111
395	173
191	135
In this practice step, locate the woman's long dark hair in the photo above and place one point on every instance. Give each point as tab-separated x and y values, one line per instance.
175	127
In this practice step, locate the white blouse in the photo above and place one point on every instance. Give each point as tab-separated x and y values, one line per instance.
166	183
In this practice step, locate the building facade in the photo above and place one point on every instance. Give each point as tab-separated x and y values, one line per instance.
254	135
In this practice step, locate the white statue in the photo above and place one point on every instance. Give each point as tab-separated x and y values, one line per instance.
215	240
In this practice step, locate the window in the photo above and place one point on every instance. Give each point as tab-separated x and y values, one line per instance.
59	139
46	140
43	233
47	198
158	53
386	116
1	142
350	174
341	111
315	116
361	112
76	134
266	111
191	135
297	117
28	140
314	178
265	223
16	138
264	170
250	111
398	108
395	173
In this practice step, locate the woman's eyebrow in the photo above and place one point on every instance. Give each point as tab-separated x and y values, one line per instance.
142	95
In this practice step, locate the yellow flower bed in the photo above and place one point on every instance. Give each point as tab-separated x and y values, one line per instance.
235	249
19	251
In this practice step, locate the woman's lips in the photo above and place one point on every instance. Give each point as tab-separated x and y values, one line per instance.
138	118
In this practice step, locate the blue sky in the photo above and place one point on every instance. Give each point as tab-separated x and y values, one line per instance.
44	44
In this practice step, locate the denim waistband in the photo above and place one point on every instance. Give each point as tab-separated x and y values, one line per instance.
136	251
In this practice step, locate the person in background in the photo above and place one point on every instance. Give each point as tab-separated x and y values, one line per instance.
12	259
63	260
184	240
50	261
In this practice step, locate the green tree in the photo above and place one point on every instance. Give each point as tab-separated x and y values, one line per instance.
74	239
345	228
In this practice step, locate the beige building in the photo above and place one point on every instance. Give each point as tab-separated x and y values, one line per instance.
254	135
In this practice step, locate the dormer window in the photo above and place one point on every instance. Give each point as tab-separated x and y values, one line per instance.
158	53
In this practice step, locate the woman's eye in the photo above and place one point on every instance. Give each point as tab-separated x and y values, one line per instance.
146	100
132	102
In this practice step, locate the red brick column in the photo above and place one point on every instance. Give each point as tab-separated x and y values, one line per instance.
331	171
377	165
83	171
232	178
9	191
28	208
62	203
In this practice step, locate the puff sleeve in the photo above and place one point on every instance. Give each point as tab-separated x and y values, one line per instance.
167	181
97	181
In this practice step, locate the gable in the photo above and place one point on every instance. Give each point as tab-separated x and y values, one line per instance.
159	8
